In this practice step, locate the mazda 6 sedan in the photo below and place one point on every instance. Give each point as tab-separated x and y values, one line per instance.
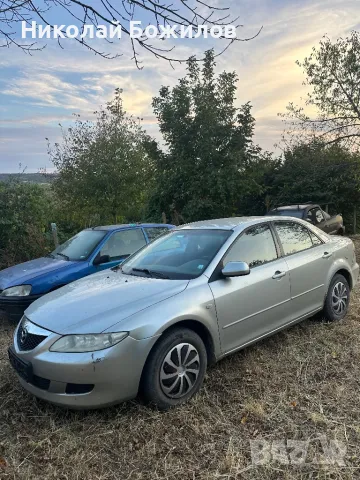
153	324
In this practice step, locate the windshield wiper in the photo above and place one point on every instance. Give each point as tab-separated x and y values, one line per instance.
151	273
159	274
142	270
63	255
50	255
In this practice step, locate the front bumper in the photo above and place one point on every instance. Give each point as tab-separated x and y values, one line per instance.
14	307
111	376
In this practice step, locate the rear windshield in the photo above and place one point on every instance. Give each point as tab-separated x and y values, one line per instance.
287	213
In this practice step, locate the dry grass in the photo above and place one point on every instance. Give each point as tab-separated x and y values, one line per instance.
299	384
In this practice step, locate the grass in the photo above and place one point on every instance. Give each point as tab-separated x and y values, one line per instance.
298	385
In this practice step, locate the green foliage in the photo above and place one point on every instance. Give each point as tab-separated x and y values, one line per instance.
333	76
210	151
111	171
321	174
321	159
104	168
262	173
26	211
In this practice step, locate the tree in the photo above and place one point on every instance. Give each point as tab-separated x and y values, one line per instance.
209	146
161	13
262	173
104	169
320	174
333	75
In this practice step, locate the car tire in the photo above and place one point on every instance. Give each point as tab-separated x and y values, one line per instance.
175	369
337	299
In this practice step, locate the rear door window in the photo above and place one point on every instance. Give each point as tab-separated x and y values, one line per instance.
315	240
293	237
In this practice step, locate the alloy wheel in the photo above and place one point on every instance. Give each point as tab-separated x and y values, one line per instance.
339	298
179	370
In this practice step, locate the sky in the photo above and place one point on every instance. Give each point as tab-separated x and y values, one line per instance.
41	91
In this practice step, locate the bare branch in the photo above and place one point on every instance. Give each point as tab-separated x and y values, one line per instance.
182	13
341	138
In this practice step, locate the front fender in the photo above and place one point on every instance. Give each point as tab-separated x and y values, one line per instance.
52	280
195	303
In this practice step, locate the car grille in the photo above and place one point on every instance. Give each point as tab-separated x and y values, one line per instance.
26	340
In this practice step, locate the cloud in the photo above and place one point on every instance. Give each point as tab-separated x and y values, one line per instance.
48	90
268	74
36	120
40	91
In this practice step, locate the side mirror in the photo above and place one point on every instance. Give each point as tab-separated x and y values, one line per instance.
235	269
100	259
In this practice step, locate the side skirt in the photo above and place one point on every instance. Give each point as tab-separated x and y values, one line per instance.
289	324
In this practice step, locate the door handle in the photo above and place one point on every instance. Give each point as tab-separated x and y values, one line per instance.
278	275
327	255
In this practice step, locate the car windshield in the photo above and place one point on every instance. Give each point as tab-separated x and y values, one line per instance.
287	213
180	254
80	246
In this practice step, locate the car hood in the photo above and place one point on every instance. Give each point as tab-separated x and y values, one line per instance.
95	303
24	273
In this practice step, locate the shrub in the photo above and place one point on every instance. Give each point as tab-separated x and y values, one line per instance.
26	211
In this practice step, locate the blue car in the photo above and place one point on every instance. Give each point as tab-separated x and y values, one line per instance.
88	252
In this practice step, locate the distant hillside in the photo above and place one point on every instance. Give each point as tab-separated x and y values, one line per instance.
28	177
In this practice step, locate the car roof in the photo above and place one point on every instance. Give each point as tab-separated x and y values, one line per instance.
131	225
236	223
232	223
295	207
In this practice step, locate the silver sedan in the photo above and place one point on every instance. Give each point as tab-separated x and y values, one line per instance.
188	299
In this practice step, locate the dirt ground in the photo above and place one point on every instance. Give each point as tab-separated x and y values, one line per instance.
300	385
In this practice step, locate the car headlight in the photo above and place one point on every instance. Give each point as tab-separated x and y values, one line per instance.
18	291
87	343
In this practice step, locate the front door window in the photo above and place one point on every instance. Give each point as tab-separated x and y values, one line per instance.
255	247
124	243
